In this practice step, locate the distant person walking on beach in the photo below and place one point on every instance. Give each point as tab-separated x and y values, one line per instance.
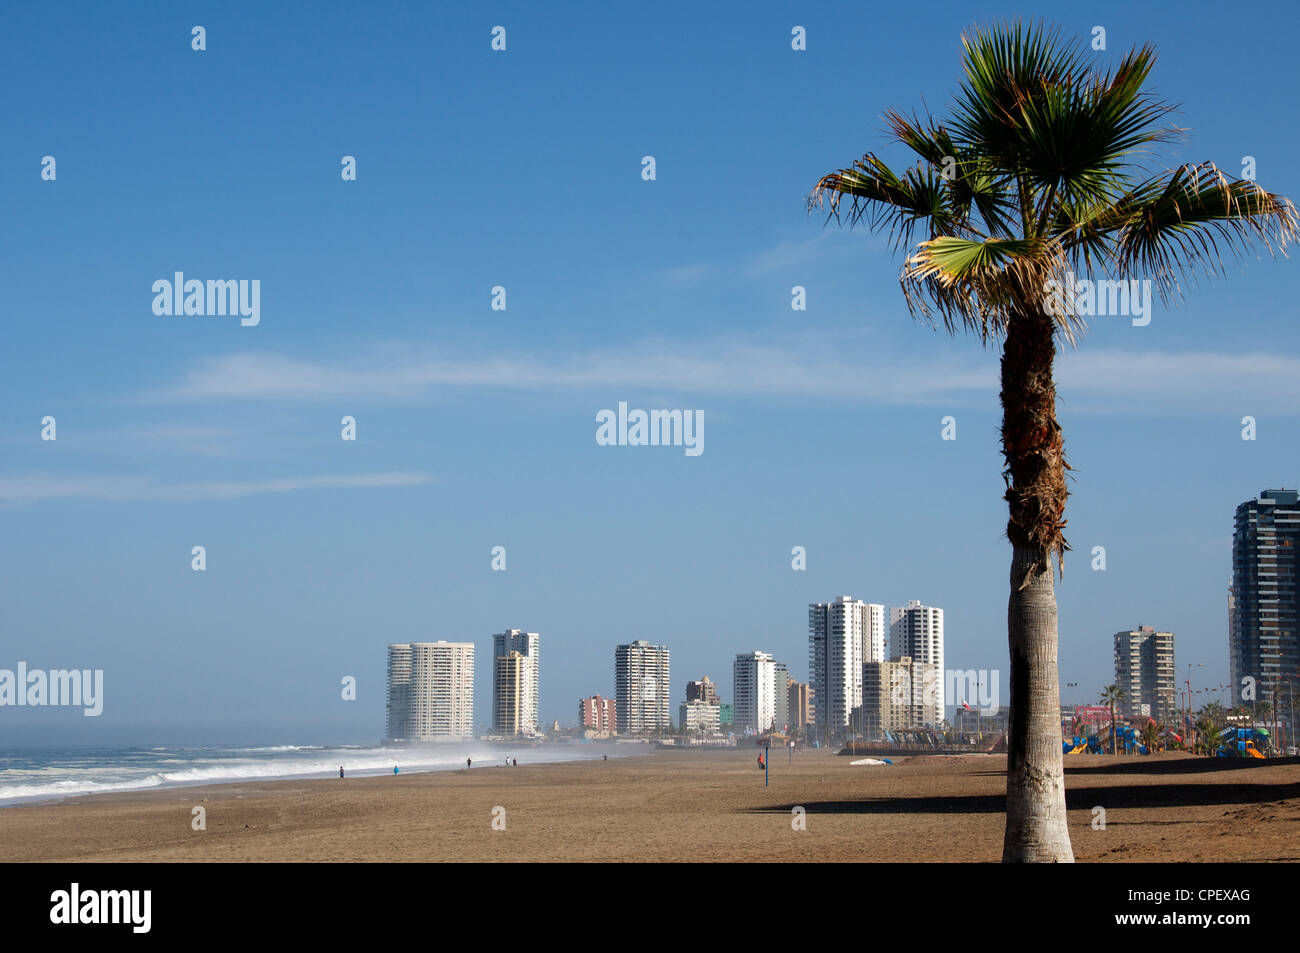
516	760
760	759
340	771
468	763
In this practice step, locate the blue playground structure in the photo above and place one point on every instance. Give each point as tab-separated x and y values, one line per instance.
1126	742
1242	743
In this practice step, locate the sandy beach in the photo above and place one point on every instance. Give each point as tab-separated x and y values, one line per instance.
682	806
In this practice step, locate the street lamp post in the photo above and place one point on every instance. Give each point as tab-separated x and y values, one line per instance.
1187	720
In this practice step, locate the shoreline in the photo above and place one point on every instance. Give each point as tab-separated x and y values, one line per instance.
678	806
549	755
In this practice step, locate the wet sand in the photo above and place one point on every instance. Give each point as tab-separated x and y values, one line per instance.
683	806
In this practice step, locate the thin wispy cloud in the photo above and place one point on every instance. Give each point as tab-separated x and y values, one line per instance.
1204	379
804	251
33	488
780	257
804	369
735	368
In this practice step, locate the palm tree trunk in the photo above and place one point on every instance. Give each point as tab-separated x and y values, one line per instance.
1035	474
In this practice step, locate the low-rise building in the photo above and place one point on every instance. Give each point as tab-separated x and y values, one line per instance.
598	714
700	718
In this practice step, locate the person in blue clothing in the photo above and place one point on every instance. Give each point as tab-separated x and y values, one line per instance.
340	771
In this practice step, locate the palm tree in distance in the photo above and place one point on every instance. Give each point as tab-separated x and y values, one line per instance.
1151	736
1111	696
1033	179
1205	732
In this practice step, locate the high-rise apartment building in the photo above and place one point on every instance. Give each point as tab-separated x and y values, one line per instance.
842	635
780	696
642	688
754	691
597	714
801	706
916	632
1262	633
528	645
431	691
1144	669
508	677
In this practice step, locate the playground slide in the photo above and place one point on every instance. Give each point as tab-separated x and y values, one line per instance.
1254	753
1078	749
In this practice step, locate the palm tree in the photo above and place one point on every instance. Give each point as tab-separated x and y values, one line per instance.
1031	180
1204	733
1151	735
1111	695
1264	712
1213	712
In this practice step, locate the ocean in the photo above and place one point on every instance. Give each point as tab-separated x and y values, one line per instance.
31	774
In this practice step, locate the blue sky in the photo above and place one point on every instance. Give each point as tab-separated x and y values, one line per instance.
476	427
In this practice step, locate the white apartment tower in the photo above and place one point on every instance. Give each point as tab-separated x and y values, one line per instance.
1144	669
780	696
528	645
431	691
916	632
842	636
642	690
754	691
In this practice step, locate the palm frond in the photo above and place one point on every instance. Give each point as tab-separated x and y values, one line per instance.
971	186
978	284
885	200
1171	229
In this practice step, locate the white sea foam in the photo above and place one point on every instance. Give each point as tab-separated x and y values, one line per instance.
182	766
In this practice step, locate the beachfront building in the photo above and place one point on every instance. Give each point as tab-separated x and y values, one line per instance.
508	705
977	720
704	690
1263	643
696	718
527	674
642	688
727	712
1144	669
431	691
842	635
916	632
897	695
597	714
800	707
780	697
754	684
